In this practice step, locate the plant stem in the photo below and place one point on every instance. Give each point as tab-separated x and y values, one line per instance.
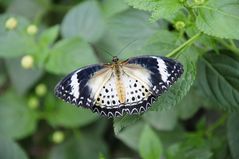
185	44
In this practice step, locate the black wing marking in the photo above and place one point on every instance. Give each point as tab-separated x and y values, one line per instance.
164	71
73	88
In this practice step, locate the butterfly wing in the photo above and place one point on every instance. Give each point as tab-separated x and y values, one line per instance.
163	71
75	89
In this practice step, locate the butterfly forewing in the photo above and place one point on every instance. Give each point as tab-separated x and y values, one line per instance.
131	88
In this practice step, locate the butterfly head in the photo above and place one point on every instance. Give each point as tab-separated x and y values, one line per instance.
115	59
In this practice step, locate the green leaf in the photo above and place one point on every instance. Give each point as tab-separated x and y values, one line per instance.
189	105
128	28
162	120
161	43
122	122
49	35
112	7
232	134
22	79
131	135
84	20
219	18
19	120
218	76
69	54
10	150
83	147
70	116
160	9
179	89
150	146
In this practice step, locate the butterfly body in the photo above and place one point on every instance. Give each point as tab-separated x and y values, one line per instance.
123	87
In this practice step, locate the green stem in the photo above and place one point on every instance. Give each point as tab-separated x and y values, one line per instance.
181	47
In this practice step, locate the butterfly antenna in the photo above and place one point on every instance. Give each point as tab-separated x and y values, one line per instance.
105	51
124	48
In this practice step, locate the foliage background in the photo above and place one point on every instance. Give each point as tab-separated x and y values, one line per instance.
43	40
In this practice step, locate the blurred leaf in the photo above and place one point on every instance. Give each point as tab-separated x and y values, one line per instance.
160	9
122	122
131	135
112	7
49	35
129	28
180	88
162	120
218	79
161	43
150	146
27	8
84	20
83	147
22	79
219	18
68	55
189	105
10	150
69	116
232	134
18	120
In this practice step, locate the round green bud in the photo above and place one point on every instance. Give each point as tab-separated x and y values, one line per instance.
27	62
11	23
33	102
41	90
199	2
32	29
58	137
179	25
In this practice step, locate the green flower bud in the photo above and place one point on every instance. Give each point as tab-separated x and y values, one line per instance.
11	23
27	62
179	25
41	90
58	137
32	29
33	102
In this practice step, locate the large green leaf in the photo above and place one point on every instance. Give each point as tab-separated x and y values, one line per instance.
219	18
17	119
69	54
70	116
84	20
130	28
10	150
232	134
59	113
150	146
160	9
162	120
112	7
131	135
218	77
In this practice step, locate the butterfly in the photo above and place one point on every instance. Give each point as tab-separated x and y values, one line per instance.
121	87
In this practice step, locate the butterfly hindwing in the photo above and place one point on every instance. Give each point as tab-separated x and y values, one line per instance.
74	89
